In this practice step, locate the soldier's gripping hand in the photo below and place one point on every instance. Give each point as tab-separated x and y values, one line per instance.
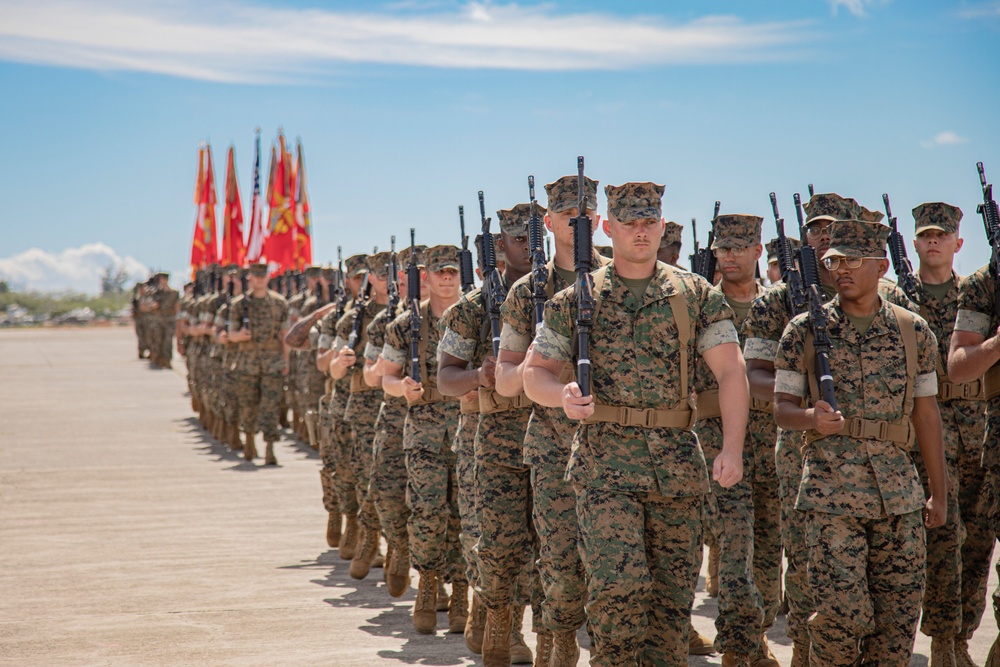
488	372
575	404
240	336
935	513
727	469
825	420
413	391
346	358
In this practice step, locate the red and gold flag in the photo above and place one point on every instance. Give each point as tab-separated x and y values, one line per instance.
279	247
303	221
204	245
233	248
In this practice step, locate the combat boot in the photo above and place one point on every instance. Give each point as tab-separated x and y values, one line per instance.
730	659
699	644
249	449
520	654
962	657
458	607
543	649
800	654
234	438
425	607
475	626
712	580
763	656
389	549
565	649
361	564
943	652
333	524
496	637
349	542
269	458
398	577
311	430
442	597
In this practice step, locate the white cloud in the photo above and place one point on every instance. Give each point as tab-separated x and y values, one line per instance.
246	43
855	7
946	138
74	269
981	10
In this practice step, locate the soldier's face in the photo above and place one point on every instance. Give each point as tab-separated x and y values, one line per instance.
379	283
773	271
258	283
852	284
558	224
738	267
818	236
635	241
669	254
444	283
516	252
354	283
937	249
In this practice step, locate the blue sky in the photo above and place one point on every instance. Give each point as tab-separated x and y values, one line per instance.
407	109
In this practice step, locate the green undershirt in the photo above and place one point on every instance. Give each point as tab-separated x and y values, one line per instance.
862	323
940	291
568	275
637	286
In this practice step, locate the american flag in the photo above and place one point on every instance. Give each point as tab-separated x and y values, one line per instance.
255	244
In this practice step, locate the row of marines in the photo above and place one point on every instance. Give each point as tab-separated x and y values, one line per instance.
493	471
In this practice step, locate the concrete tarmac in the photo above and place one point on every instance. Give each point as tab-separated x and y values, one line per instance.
128	536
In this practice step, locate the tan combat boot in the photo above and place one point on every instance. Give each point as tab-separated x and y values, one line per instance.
398	577
442	599
234	438
565	649
425	607
763	656
333	524
520	654
389	549
543	649
476	625
712	580
943	652
800	654
361	564
269	458
249	449
496	637
699	644
349	542
962	657
458	607
730	659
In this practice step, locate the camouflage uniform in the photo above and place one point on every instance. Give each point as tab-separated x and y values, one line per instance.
230	411
296	364
862	495
260	361
337	475
464	447
640	490
164	321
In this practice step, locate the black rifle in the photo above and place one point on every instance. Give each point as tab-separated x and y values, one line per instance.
811	191
539	272
466	274
707	261
360	304
413	299
900	263
808	263
339	291
494	292
229	299
392	283
583	257
320	294
695	257
991	221
786	263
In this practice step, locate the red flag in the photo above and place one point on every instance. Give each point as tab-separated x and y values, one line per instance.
303	221
233	249
255	244
204	245
279	247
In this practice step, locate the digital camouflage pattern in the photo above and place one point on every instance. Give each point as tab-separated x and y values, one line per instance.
337	461
936	215
736	230
639	490
563	195
514	221
857	238
468	494
831	206
356	265
441	257
671	233
634	201
772	247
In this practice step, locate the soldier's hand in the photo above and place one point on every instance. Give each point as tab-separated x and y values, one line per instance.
575	404
346	358
240	335
488	372
223	337
413	391
727	469
825	420
935	513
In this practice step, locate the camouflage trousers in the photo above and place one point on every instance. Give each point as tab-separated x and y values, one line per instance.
258	396
762	433
640	552
328	469
942	601
559	565
336	473
362	411
161	339
868	578
142	333
431	491
788	460
977	549
387	488
730	519
468	495
991	494
230	405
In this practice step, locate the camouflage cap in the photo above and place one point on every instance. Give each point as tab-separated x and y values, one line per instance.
379	263
831	206
562	194
857	238
937	215
514	221
403	256
772	247
671	234
605	251
161	274
259	269
736	230
634	201
355	264
440	257
869	216
313	271
329	273
231	269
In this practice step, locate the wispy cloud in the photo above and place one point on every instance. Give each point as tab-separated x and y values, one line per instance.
946	138
74	269
855	7
246	43
981	10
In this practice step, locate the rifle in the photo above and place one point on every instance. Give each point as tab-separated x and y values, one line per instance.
539	272
494	292
229	299
320	294
340	290
789	273
707	261
583	254
360	304
392	284
808	264
812	191
465	271
991	221
695	257
900	263
413	298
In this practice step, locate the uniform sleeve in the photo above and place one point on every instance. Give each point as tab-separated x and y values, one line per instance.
462	324
764	325
555	337
893	293
715	320
326	332
927	350
516	311
789	364
395	349
975	304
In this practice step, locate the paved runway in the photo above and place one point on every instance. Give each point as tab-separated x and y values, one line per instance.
130	537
